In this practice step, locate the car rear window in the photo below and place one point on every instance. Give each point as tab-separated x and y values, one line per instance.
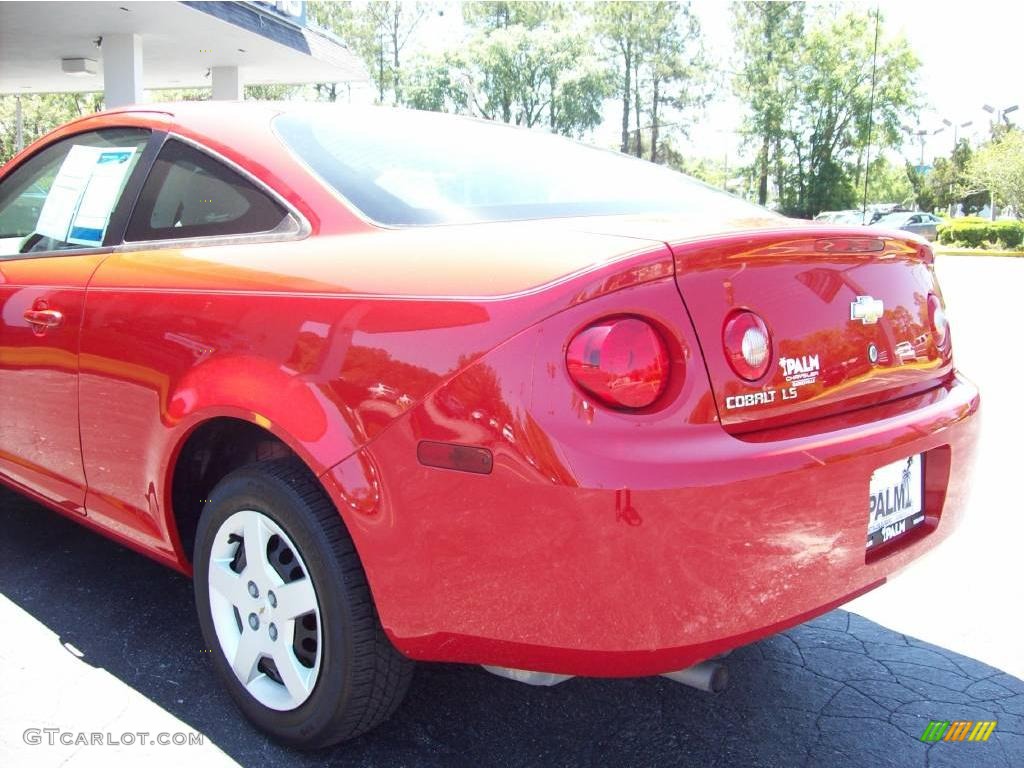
189	194
407	168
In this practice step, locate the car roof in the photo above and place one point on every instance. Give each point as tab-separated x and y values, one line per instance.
186	112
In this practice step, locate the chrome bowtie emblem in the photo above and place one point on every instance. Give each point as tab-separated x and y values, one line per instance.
866	309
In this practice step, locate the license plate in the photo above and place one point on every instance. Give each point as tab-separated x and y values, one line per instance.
895	505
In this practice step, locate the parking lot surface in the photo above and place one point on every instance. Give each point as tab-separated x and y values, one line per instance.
96	638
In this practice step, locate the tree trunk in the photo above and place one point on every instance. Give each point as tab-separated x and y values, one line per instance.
636	105
627	57
506	108
553	84
394	48
654	120
762	184
778	167
380	81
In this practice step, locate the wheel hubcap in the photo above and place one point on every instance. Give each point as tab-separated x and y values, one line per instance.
256	572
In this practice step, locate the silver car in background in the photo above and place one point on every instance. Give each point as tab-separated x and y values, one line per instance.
918	222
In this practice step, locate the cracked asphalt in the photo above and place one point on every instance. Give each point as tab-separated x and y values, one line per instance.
96	638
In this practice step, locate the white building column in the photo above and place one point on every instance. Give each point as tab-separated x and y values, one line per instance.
122	70
227	84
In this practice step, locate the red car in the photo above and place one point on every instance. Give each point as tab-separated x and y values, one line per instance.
394	385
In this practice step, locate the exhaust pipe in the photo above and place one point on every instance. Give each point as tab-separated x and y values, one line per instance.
711	676
546	679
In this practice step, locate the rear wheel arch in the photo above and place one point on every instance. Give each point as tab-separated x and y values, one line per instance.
207	452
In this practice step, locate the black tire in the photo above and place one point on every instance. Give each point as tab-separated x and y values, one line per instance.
362	677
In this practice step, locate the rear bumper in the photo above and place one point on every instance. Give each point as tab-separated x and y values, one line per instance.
719	541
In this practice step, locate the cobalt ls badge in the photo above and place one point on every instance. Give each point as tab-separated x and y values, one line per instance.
866	309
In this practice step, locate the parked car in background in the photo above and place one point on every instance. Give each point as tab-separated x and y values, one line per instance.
855	218
395	386
870	215
836	217
919	222
830	217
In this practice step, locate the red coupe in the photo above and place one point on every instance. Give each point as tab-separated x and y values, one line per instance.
394	385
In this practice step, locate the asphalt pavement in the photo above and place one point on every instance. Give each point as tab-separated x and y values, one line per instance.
95	638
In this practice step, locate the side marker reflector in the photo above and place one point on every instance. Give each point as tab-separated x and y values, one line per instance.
464	458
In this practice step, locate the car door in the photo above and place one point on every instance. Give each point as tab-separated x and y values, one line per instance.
155	314
913	224
56	212
929	226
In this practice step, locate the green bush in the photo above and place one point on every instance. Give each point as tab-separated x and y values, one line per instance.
973	232
1011	233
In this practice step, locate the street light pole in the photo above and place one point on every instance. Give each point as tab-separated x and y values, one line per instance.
999	115
921	133
956	129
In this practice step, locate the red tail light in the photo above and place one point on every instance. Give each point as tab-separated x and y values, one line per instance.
748	346
621	361
940	325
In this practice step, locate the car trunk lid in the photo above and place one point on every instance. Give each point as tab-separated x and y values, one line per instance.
847	314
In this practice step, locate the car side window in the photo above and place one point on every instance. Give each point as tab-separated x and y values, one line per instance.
62	197
191	194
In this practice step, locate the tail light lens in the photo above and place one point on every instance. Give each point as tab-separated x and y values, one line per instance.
748	346
940	325
621	361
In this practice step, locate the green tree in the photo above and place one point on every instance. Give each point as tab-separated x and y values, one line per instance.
579	84
657	49
621	26
274	92
834	117
160	95
889	183
438	83
815	100
40	114
924	193
530	64
379	32
706	169
677	68
999	167
948	179
768	37
488	16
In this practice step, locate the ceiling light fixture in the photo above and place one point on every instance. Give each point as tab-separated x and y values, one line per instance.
78	67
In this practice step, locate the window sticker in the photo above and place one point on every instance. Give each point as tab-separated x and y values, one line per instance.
84	193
